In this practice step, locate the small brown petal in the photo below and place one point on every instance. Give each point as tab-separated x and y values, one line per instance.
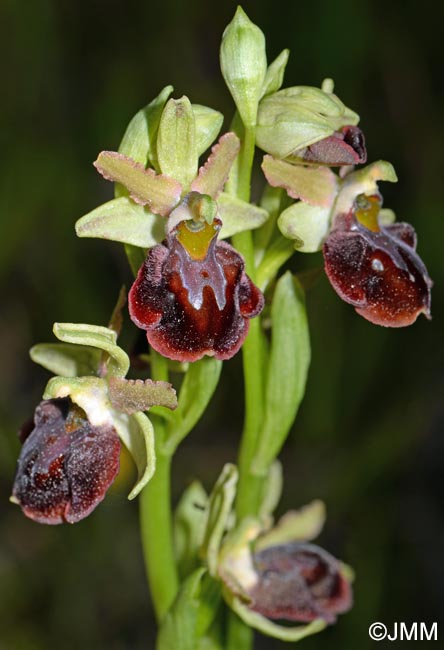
65	465
299	582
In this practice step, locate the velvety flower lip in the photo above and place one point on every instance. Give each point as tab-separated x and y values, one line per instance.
66	465
376	268
192	295
344	147
299	582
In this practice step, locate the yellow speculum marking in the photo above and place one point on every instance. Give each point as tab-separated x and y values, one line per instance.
367	211
196	237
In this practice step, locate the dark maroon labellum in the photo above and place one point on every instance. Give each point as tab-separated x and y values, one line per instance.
65	465
344	147
376	268
299	582
193	297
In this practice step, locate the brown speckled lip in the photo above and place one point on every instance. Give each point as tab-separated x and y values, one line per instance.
65	466
379	273
193	307
299	582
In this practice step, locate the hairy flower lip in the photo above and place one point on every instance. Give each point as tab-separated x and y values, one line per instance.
344	147
65	466
378	272
191	306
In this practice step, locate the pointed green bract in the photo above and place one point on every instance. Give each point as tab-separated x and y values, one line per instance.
238	216
219	509
190	518
137	434
287	370
176	142
314	185
139	140
214	173
275	74
307	225
66	359
208	124
272	494
244	64
195	393
123	221
131	395
157	191
97	337
179	627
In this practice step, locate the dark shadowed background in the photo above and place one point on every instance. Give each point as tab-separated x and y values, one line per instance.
369	439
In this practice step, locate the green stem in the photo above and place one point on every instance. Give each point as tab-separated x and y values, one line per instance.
155	516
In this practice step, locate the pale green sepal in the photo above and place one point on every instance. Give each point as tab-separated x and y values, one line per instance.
287	370
219	511
264	625
137	434
301	525
157	191
307	225
124	221
238	215
195	393
208	124
179	628
139	140
243	63
275	74
189	523
90	393
131	395
97	337
363	181
214	173
66	359
272	494
176	142
313	185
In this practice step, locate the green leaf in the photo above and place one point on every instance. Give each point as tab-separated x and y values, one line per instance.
238	215
139	141
176	142
219	510
179	627
190	518
157	191
66	359
313	185
243	63
264	625
124	221
272	493
307	225
131	395
287	370
97	337
275	74
301	525
208	124
137	434
214	174
196	391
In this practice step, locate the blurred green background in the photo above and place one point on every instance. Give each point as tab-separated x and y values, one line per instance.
369	439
